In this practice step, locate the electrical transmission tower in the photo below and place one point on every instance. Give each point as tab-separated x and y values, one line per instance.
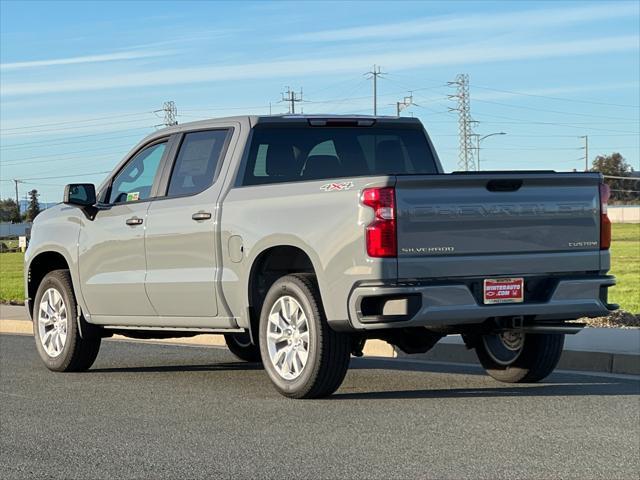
291	98
465	122
375	73
170	113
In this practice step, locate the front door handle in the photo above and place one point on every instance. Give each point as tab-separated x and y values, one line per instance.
198	216
134	221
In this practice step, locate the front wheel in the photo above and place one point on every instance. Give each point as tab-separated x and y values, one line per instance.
302	355
517	357
55	327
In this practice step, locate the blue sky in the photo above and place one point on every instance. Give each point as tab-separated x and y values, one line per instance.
80	80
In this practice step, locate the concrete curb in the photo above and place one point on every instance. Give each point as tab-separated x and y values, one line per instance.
374	348
608	350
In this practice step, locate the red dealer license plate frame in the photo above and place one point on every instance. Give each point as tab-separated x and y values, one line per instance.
503	290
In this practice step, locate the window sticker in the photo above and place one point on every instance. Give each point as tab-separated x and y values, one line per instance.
133	196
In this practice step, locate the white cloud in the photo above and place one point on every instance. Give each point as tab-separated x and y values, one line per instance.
519	20
107	57
399	60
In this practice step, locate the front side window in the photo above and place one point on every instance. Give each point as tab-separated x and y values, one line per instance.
197	162
135	180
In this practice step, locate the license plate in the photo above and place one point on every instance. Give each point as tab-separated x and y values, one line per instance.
503	290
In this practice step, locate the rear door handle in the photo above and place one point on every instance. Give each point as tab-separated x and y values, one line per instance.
198	216
134	221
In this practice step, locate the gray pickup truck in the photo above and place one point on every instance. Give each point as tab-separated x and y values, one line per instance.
300	237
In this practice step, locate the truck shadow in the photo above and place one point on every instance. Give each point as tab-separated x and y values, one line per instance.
559	384
580	388
212	367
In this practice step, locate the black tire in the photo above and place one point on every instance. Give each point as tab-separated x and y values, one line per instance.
78	354
539	357
328	351
240	345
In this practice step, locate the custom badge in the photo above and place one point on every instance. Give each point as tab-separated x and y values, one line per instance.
336	186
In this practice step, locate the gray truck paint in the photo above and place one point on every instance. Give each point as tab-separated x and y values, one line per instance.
449	228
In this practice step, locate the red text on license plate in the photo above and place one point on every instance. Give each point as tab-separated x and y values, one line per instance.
503	290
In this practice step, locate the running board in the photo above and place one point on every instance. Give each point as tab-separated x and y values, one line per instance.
192	330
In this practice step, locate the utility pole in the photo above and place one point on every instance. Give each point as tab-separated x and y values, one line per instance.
375	73
465	122
586	152
16	181
406	102
291	98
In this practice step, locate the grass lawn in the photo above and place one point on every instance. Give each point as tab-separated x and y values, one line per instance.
625	264
11	278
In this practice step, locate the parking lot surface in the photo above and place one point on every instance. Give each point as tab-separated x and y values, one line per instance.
167	411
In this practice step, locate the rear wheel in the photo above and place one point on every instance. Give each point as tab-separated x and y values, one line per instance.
517	357
55	326
302	355
241	346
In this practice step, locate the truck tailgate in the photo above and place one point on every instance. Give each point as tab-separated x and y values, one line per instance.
497	223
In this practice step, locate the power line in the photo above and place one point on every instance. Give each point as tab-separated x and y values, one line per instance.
512	92
19	146
522	107
66	176
582	126
58	161
72	128
54	155
73	121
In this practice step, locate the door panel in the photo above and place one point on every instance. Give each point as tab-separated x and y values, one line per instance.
180	235
181	258
112	259
112	262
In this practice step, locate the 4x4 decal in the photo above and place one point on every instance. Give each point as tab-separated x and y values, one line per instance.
336	186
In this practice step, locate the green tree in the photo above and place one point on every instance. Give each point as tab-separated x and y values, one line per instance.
9	211
615	165
34	206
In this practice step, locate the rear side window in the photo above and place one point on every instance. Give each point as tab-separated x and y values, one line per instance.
294	153
197	162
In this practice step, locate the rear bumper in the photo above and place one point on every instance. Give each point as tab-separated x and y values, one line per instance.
454	303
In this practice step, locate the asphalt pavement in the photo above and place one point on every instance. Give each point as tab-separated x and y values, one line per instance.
166	411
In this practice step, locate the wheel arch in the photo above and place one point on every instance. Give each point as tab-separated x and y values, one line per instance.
39	266
271	263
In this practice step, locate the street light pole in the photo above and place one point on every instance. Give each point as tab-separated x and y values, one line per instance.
480	139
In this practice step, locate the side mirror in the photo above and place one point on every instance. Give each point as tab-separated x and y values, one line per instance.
80	194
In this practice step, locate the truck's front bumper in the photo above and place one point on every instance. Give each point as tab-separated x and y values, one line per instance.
457	302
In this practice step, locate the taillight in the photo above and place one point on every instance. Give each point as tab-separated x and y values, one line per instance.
381	233
605	223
